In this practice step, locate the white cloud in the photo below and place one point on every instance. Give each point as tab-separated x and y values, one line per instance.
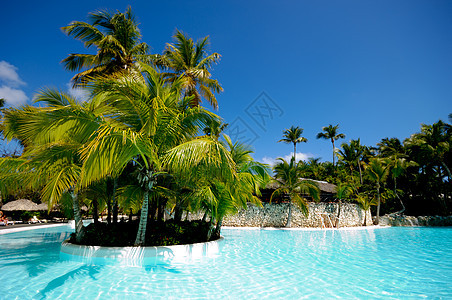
8	74
78	93
300	156
10	81
13	97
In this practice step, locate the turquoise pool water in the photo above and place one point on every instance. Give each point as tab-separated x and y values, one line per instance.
398	263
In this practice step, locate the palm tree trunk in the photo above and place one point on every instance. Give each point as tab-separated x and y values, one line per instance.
178	213
130	215
295	152
377	220
218	228
108	210
398	197
360	173
332	141
447	169
141	234
289	214
95	212
79	229
161	210
115	202
211	230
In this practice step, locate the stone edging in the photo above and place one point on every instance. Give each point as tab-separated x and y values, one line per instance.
139	256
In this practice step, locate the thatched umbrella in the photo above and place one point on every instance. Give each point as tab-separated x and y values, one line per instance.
21	204
324	186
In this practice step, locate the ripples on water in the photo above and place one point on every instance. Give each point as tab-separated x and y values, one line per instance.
365	263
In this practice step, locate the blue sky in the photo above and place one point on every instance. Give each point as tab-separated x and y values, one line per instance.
377	68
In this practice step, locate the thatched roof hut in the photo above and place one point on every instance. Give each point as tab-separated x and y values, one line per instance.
23	204
324	186
43	206
327	190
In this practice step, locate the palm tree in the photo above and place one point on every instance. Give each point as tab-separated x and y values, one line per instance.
190	63
434	142
344	190
351	155
55	134
330	132
116	38
397	159
214	128
365	202
287	175
293	135
147	123
377	170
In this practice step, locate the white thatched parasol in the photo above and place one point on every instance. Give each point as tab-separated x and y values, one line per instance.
23	204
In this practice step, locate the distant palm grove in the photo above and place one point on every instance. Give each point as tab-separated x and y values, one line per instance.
142	144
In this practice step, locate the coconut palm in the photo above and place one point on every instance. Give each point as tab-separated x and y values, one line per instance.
377	171
330	132
351	155
215	128
293	135
397	160
365	201
344	191
55	134
287	175
434	142
116	38
147	122
189	62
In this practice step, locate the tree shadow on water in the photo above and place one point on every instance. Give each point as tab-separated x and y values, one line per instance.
80	272
35	256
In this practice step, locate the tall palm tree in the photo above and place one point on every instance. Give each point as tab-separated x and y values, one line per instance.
377	170
330	132
116	38
434	142
189	62
293	135
147	123
351	155
397	159
287	175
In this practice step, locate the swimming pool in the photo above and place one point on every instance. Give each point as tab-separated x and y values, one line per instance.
251	263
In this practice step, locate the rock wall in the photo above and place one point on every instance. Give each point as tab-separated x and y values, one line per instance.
275	215
401	220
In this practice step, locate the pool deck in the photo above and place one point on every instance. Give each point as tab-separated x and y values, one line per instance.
24	227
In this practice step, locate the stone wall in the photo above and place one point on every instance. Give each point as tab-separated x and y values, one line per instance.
275	215
401	220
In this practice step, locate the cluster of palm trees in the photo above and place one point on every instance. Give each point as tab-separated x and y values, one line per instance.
137	143
412	177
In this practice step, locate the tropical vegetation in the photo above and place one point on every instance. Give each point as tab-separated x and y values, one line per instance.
141	143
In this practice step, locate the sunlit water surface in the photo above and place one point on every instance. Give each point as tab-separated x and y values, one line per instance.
251	263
